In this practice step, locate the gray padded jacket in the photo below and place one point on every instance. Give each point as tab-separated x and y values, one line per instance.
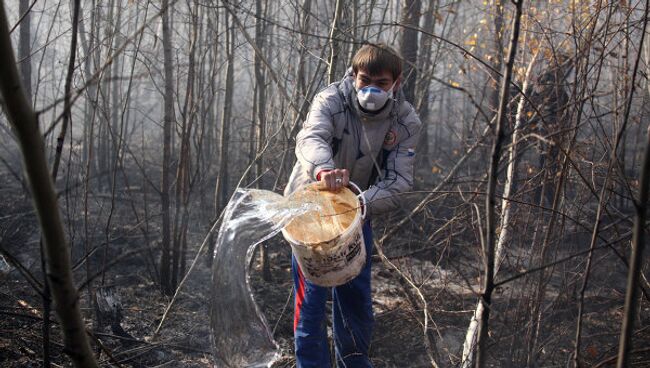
378	149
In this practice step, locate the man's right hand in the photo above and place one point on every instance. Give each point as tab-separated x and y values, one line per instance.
333	180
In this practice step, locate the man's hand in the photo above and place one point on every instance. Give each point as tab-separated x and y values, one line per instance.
334	180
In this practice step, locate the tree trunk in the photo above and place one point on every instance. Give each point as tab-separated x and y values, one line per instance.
183	169
24	47
67	115
88	44
489	249
261	110
636	258
213	128
409	46
221	189
90	111
353	29
422	103
506	222
116	91
24	51
638	238
496	10
104	133
301	93
24	120
168	120
334	43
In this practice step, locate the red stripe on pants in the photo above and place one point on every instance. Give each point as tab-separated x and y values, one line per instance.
300	297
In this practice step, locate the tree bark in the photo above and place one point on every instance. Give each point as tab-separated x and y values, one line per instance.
116	91
67	115
334	44
422	87
214	129
25	122
24	47
638	243
88	44
506	214
183	170
168	120
104	151
261	7
409	46
67	106
489	251
638	237
498	20
221	189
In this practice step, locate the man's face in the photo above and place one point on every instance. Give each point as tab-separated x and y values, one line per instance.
383	80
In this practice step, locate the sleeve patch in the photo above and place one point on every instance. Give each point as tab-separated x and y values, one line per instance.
390	138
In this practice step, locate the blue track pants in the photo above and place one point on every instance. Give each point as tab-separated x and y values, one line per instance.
352	318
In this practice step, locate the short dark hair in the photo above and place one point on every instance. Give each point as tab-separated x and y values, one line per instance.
376	58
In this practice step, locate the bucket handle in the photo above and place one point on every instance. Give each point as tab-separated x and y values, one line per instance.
362	199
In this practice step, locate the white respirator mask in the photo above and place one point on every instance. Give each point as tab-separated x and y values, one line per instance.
373	98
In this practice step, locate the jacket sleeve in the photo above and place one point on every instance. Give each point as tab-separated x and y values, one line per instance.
397	170
314	141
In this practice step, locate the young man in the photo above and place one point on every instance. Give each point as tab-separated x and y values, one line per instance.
361	130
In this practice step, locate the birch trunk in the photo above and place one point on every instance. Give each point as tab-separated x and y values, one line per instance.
506	218
489	248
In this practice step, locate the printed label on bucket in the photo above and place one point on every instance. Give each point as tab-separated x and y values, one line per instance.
318	266
337	267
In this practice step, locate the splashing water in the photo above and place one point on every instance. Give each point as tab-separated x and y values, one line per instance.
241	337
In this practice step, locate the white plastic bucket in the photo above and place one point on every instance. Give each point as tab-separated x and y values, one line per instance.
336	261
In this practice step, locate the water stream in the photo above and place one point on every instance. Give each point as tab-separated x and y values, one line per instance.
241	336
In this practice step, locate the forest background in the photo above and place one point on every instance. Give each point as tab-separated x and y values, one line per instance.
520	245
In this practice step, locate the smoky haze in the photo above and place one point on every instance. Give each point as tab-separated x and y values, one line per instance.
175	104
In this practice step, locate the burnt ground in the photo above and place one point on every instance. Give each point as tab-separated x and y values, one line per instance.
446	274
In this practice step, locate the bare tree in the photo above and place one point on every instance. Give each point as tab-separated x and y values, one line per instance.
335	47
507	220
425	64
489	246
260	110
163	113
409	46
638	244
638	238
25	47
168	121
183	172
25	123
221	189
